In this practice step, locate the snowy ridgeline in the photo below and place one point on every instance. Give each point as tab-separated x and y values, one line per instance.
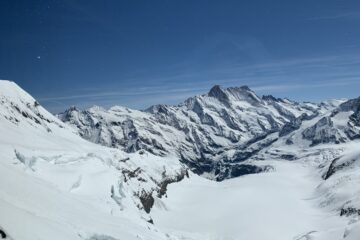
213	134
137	184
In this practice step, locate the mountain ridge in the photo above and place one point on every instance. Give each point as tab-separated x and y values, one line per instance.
204	125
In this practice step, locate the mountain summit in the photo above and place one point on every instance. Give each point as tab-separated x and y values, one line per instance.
199	130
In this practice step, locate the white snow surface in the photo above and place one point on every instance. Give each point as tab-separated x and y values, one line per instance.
274	205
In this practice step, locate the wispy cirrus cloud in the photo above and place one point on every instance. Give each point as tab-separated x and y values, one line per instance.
287	87
338	15
122	93
320	76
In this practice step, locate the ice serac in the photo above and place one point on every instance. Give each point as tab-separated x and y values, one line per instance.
211	133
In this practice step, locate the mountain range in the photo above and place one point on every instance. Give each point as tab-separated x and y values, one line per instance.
228	164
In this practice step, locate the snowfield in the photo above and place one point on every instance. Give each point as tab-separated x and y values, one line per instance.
54	184
278	205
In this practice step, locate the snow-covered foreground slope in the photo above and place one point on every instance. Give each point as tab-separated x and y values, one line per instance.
55	185
280	205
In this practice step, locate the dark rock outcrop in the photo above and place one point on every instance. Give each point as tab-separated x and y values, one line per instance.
219	94
168	180
349	211
2	234
147	200
336	166
294	124
323	132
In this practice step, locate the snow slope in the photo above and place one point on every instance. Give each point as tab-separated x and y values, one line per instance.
275	205
55	185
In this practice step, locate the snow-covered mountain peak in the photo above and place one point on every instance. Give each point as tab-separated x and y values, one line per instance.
199	130
13	92
159	108
243	93
271	98
21	109
231	94
218	93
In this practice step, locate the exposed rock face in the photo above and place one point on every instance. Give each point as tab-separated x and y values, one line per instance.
341	163
146	197
351	105
323	132
240	170
147	200
269	98
218	93
332	169
294	124
349	211
355	118
2	234
168	180
340	126
208	132
111	129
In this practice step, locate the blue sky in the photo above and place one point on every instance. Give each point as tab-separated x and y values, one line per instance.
139	53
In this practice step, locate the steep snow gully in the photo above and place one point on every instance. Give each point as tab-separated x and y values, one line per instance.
118	173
